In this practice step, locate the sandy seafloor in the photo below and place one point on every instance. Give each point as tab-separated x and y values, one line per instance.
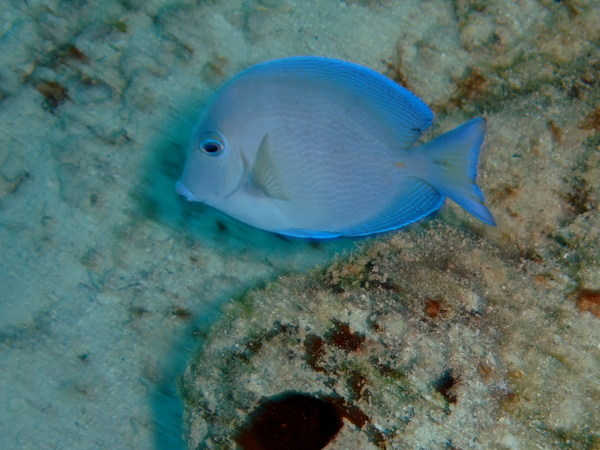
108	280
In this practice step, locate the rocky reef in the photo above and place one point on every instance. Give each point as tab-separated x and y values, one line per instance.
427	339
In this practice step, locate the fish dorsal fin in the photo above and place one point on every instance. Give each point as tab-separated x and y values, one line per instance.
407	114
265	177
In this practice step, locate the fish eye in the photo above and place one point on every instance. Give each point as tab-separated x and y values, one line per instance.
211	144
211	147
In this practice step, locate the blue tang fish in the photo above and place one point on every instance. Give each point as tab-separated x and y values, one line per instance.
318	147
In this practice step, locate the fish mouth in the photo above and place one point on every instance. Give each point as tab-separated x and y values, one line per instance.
184	191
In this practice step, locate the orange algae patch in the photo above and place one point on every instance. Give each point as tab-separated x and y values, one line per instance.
588	300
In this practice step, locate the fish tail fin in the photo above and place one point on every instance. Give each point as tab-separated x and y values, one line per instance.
449	164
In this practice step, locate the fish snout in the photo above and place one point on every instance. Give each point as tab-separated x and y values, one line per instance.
184	191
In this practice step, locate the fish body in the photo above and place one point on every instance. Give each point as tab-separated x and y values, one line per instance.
318	147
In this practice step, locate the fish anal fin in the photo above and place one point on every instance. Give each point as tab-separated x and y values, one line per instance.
265	176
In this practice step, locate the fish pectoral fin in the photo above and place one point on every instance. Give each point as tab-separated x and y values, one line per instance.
265	176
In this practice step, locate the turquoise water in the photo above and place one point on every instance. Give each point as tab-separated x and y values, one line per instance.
108	280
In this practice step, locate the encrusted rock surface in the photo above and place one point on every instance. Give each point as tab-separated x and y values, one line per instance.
427	339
